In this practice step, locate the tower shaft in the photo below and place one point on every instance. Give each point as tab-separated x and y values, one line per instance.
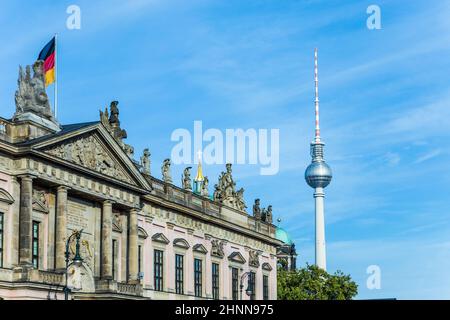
321	257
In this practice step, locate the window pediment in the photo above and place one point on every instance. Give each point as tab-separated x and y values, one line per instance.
5	196
200	248
161	238
181	243
142	233
266	266
237	257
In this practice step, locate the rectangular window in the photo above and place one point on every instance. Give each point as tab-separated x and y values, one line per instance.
215	280
35	244
198	277
158	270
1	238
265	287
251	285
235	283
114	245
179	266
139	260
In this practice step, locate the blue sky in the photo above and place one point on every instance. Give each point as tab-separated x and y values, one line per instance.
384	95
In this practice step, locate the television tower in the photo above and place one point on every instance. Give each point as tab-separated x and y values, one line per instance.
318	175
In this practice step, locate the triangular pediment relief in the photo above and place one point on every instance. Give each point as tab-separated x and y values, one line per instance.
181	243
237	257
90	151
159	237
200	248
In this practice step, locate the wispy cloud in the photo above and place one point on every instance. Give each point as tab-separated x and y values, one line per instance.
430	155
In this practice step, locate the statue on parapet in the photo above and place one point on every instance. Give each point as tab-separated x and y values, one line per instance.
257	210
30	95
204	191
145	161
186	179
165	170
225	191
111	122
269	216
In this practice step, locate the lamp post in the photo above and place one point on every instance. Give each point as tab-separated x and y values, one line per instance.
76	261
248	291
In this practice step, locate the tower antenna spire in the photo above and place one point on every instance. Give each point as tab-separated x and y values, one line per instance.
316	100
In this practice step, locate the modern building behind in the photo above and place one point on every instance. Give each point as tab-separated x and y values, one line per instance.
142	237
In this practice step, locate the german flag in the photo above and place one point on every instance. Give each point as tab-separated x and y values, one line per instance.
47	54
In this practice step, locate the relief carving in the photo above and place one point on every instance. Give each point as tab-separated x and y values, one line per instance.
89	153
253	258
217	248
40	201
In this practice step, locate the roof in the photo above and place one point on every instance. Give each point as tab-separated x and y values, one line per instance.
64	130
282	235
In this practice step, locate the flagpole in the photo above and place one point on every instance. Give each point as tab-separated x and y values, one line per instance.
56	77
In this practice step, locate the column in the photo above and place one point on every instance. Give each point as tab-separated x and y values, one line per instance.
106	263
25	220
61	227
321	260
133	245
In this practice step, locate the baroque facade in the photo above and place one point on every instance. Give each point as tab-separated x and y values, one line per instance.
142	237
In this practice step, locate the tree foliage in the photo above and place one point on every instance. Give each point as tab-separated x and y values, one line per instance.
313	283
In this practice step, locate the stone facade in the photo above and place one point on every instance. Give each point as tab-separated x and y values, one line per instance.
55	179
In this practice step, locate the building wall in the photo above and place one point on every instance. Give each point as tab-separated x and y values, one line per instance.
169	219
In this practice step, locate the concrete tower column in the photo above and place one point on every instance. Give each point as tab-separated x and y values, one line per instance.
321	260
25	220
106	263
133	245
61	227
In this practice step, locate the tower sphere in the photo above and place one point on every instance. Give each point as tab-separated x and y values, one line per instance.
318	174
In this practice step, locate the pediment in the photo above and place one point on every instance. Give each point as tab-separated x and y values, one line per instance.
181	243
237	257
266	266
96	150
142	233
39	206
200	248
117	224
159	237
5	196
88	151
39	201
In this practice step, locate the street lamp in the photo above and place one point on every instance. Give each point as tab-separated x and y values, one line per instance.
77	261
248	291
